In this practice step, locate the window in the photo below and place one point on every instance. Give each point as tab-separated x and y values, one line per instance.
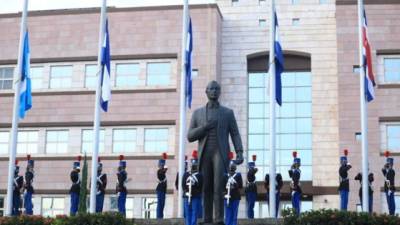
261	1
323	1
392	69
128	206
4	139
156	140
127	75
149	207
293	125
51	207
91	76
87	141
304	207
36	77
57	141
235	2
158	73
356	69
1	206
295	22
195	73
27	142
6	78
262	23
393	137
295	2
124	140
60	76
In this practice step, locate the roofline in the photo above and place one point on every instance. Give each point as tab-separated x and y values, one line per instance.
368	2
109	9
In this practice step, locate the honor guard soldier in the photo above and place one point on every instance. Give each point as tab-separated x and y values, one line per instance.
122	177
370	190
28	192
75	187
161	186
389	188
278	187
192	186
251	187
17	186
294	174
101	187
233	183
344	181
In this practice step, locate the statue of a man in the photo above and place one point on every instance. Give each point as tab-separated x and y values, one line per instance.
211	126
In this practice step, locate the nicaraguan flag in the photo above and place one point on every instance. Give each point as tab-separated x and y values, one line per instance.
188	65
105	71
279	61
25	96
367	62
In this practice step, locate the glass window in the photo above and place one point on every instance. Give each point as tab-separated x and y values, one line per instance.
156	140
149	207
127	74
87	141
262	22
295	22
27	142
1	206
91	76
6	78
124	140
393	137
51	207
36	77
293	124
294	2
4	139
392	69
128	206
323	1
60	76
158	73
57	141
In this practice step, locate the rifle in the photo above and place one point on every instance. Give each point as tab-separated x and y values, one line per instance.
189	183
231	181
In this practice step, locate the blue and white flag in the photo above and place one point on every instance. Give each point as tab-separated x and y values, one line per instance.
105	71
25	94
279	62
188	65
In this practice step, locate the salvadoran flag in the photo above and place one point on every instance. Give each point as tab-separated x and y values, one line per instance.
25	96
105	71
279	62
188	65
367	62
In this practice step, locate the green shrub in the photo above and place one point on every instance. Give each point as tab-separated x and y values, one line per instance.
26	220
336	217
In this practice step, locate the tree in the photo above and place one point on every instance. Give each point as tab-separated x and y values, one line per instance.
83	192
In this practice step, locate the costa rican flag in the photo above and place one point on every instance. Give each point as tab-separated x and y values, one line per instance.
367	62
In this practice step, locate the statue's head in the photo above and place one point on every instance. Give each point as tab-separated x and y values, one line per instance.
213	90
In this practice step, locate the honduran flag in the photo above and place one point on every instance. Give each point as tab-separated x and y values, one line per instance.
25	94
105	71
367	62
279	62
188	65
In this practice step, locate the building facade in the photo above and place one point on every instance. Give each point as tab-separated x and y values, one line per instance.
319	116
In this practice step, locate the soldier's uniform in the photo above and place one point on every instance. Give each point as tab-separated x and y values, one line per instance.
192	186
29	174
17	186
294	174
161	188
75	187
278	187
251	188
389	187
122	177
370	190
344	181
233	183
101	187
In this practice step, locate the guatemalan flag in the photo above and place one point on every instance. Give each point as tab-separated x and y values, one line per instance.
25	94
367	62
188	65
279	61
105	71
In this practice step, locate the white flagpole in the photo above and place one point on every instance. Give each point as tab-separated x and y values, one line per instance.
363	105
15	120
182	114
272	128
96	124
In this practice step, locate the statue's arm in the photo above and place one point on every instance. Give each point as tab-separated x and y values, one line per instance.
195	132
235	135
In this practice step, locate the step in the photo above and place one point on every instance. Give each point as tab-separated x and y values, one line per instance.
267	221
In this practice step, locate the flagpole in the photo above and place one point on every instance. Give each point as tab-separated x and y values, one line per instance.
272	128
96	124
15	120
363	108
183	103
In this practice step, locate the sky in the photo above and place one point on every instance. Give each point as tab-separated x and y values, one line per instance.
12	6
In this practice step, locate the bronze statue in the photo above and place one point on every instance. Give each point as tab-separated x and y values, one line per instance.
211	126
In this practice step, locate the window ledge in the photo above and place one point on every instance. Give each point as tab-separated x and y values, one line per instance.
114	156
389	85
